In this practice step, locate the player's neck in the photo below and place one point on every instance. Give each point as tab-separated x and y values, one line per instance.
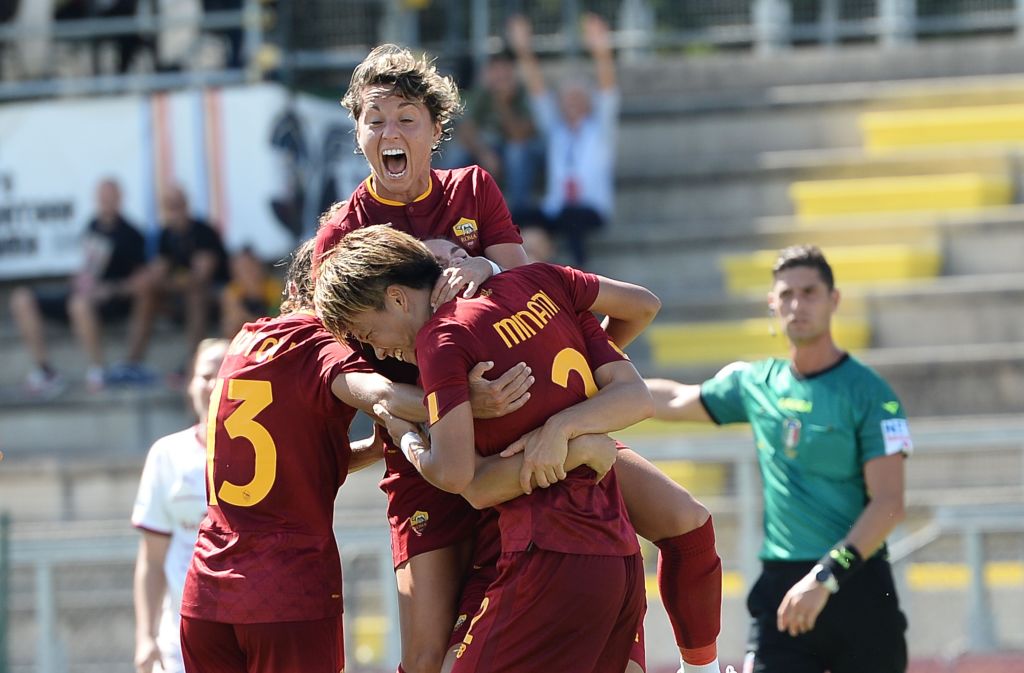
417	192
819	355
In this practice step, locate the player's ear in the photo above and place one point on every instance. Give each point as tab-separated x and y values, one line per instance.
393	295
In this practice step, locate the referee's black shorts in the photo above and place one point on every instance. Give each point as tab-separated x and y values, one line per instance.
861	629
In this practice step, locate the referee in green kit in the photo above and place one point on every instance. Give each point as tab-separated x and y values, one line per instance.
831	438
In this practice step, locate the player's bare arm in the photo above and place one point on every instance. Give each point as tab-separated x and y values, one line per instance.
884	480
489	399
497	478
366	452
450	464
150	588
629	309
622	400
674	401
364	389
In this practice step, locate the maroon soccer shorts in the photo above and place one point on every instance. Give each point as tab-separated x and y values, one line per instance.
548	611
424	518
311	647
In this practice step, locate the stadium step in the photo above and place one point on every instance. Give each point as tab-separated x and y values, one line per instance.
121	421
675	344
851	264
682	265
896	130
958	191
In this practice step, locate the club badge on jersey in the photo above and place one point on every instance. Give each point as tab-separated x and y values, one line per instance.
419	521
791	436
466	232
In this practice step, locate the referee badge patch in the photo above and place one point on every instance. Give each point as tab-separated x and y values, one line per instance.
791	436
896	434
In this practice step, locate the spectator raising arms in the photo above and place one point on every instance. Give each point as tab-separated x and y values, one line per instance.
580	129
498	131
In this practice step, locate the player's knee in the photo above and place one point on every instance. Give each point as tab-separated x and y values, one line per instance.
423	660
22	300
687	515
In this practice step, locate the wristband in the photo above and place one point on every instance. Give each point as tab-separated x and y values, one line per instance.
494	267
411	444
842	561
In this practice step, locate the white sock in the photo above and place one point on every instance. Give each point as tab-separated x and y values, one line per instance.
712	667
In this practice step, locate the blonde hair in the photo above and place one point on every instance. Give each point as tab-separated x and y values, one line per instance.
415	79
298	281
205	345
355	275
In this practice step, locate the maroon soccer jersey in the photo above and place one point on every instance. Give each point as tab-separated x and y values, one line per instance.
277	453
530	314
463	205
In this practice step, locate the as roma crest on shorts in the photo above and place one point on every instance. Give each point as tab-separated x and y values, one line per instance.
418	521
790	436
465	231
460	621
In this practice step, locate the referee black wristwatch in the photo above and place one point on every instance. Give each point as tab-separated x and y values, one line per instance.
823	576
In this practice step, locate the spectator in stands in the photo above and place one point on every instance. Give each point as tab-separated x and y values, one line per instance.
537	243
580	131
831	441
111	284
252	293
498	132
232	35
128	44
168	508
190	269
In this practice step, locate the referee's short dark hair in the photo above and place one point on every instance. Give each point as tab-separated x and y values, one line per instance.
804	255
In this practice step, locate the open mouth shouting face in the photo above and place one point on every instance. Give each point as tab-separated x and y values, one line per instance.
397	135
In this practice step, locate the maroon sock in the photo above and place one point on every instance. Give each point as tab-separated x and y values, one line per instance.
400	669
690	581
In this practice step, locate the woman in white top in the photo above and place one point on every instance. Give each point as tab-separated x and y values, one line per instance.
168	508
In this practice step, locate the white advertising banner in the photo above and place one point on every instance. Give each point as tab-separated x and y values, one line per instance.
257	161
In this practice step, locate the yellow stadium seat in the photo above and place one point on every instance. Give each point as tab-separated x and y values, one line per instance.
371	632
697	478
678	344
851	265
983	124
957	191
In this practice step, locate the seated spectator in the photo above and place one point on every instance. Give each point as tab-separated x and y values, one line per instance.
498	132
580	130
111	284
252	293
189	271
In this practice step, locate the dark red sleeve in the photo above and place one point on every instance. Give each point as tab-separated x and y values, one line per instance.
580	287
600	349
443	351
332	360
496	224
333	230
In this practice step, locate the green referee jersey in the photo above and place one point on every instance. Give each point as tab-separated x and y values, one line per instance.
813	436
